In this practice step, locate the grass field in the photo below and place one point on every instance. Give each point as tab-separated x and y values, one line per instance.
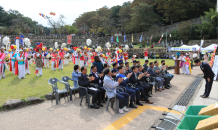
14	88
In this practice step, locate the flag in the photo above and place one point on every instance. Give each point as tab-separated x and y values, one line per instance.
21	39
140	40
112	39
84	32
160	40
124	38
93	33
27	31
42	30
132	38
117	39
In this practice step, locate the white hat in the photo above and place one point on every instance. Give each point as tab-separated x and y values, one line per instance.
20	50
2	47
24	48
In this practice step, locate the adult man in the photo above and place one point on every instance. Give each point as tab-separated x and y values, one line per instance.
2	62
110	85
164	72
21	64
159	80
114	70
208	76
146	54
134	63
145	66
98	80
144	80
129	90
61	56
85	82
162	75
134	79
127	69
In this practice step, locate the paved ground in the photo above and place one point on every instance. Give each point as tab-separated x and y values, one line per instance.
69	115
212	99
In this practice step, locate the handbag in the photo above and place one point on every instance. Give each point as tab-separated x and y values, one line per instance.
131	85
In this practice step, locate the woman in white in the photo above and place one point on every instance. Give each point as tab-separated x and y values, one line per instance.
182	63
206	58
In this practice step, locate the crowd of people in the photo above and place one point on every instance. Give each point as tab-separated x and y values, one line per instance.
135	80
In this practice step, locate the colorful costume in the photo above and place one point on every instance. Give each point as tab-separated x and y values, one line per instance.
53	61
27	70
187	62
2	65
13	60
82	58
182	64
61	56
21	65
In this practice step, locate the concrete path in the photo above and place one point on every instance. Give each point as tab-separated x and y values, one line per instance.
70	115
212	99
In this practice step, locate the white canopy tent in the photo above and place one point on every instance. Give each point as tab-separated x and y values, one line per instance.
194	46
209	48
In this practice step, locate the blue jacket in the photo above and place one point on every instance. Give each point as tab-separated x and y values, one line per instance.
151	72
75	75
99	66
124	82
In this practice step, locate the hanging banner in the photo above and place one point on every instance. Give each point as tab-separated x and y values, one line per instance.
17	43
21	39
69	38
183	49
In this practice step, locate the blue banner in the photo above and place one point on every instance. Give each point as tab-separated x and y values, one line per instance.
21	39
112	39
124	38
183	49
140	39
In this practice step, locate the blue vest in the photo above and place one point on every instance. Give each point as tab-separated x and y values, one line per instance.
21	62
15	55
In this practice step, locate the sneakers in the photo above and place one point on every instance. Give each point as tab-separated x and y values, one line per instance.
125	109
121	111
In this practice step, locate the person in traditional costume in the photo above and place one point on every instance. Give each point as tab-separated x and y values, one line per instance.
61	58
30	56
39	63
82	58
27	58
133	58
76	55
66	56
187	62
2	63
45	59
93	55
182	63
146	54
126	56
21	64
120	57
53	60
13	58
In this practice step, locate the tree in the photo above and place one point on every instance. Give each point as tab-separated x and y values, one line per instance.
143	17
192	33
115	16
70	29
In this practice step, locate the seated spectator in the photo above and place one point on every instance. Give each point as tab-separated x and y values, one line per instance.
157	56
98	80
159	80
129	90
138	62
121	63
134	63
145	66
110	85
152	46
145	80
106	65
154	56
160	74
165	70
127	69
85	82
76	74
164	56
114	70
134	79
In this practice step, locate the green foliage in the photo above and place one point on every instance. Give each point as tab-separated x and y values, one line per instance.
192	33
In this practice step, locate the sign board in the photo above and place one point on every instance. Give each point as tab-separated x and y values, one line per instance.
183	49
69	38
215	66
118	35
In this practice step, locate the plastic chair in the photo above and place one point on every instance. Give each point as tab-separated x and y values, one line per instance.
71	89
53	82
88	96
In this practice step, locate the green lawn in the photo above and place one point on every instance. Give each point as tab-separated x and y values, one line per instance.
14	88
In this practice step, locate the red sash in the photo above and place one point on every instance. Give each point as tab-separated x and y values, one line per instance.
16	67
